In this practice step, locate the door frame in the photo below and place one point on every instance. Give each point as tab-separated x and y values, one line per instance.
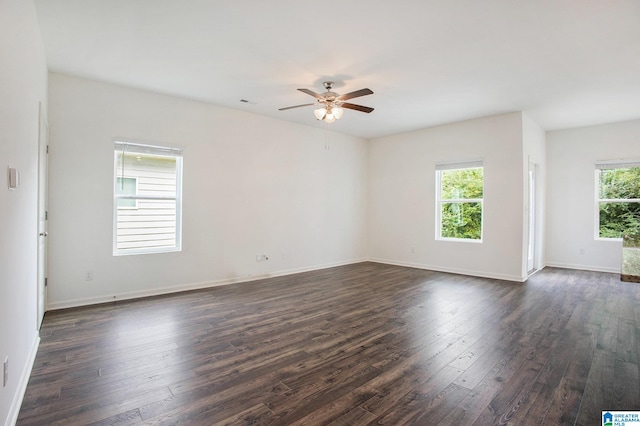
532	219
42	219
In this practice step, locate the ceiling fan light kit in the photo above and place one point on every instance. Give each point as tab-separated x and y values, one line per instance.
332	104
329	114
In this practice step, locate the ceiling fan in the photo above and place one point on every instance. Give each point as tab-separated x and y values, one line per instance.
332	104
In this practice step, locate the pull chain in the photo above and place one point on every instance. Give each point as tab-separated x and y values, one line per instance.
122	175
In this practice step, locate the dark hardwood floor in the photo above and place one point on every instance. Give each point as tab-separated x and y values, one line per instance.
353	345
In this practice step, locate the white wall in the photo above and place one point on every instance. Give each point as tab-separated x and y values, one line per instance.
251	184
402	197
534	151
23	85
571	157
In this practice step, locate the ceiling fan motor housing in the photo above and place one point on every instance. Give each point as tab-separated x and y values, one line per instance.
329	96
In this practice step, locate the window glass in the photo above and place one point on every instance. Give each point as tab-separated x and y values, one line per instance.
126	186
460	197
462	183
462	220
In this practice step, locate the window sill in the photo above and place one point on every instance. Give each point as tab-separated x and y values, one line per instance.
460	240
137	252
613	240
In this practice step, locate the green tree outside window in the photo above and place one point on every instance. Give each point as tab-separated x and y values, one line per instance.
618	201
461	198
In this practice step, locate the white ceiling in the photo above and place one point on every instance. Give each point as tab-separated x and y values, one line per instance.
568	63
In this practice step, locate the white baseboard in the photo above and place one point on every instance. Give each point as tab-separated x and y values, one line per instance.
16	403
207	284
190	286
483	274
584	267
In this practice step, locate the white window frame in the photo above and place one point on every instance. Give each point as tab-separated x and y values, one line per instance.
121	146
609	165
439	200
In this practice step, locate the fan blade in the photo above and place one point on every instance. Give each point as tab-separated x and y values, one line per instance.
357	107
310	92
356	94
295	106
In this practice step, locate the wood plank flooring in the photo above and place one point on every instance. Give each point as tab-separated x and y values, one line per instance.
354	345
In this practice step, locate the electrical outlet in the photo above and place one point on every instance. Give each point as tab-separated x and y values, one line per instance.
261	257
5	374
88	276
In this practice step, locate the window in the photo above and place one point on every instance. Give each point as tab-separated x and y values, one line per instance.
147	199
617	199
459	192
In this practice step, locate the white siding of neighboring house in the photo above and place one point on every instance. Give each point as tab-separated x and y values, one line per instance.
152	223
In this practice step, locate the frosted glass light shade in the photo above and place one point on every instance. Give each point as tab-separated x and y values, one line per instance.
328	113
